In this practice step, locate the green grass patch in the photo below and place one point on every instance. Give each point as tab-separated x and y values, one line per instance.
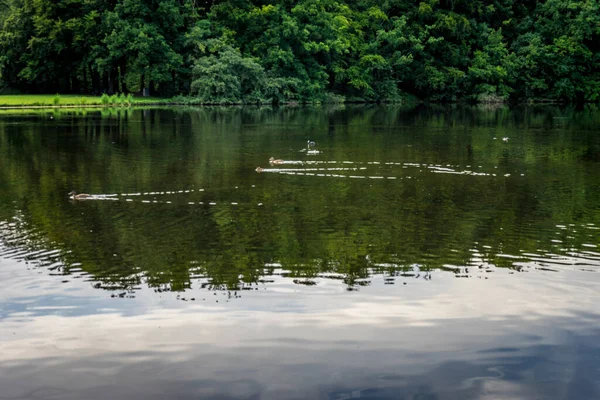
50	100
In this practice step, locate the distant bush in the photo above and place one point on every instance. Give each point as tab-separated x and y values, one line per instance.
179	99
56	100
122	99
333	98
105	99
113	100
129	99
491	98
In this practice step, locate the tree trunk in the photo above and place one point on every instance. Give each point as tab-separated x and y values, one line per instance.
104	83
123	74
145	89
75	85
111	82
85	81
95	82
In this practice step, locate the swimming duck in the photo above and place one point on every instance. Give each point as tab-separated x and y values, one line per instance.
80	196
273	161
259	169
309	147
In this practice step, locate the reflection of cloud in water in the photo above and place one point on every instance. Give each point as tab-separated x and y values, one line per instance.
469	341
435	338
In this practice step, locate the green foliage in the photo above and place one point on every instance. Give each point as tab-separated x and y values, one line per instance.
227	77
249	51
56	100
488	73
105	99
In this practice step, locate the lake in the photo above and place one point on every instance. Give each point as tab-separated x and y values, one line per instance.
412	252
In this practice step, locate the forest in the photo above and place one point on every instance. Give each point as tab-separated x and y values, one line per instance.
268	51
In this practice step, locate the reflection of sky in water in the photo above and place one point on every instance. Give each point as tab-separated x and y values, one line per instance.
416	256
441	338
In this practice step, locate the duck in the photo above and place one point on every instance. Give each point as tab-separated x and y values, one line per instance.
273	161
309	147
80	196
259	169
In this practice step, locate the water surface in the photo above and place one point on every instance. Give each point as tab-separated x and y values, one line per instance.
413	252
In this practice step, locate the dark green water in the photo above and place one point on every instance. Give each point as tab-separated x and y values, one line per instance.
422	253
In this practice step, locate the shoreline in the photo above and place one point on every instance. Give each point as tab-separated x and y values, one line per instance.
165	102
98	106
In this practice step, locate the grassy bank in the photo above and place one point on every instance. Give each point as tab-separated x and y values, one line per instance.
68	100
84	101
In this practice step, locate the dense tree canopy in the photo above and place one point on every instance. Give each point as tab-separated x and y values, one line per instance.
305	50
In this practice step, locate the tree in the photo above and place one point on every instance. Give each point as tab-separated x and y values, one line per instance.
306	50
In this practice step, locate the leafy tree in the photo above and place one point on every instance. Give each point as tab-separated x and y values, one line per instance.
228	76
306	50
490	70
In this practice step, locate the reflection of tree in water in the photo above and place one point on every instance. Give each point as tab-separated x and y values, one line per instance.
220	267
308	229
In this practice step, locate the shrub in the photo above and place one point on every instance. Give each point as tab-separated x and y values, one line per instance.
56	100
227	78
332	98
105	99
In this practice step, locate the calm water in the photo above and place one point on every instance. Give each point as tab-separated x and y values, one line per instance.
413	253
